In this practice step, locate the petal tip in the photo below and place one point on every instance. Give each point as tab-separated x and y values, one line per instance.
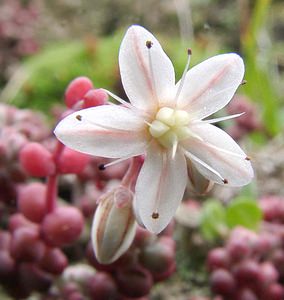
136	27
57	130
237	61
245	179
155	227
233	59
156	222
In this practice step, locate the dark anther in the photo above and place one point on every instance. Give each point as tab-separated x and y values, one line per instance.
79	118
101	167
247	158
189	51
225	181
149	44
155	215
243	82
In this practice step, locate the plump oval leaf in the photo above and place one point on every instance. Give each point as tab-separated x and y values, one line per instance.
245	212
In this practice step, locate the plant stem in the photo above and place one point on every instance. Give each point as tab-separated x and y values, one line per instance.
131	175
51	190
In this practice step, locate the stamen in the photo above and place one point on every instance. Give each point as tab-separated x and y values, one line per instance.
174	149
126	104
155	215
196	136
149	45
226	151
114	162
148	123
216	120
248	158
101	167
118	99
205	165
243	82
189	52
86	120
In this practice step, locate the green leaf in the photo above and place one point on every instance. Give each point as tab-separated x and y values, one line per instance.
42	79
259	69
245	212
213	220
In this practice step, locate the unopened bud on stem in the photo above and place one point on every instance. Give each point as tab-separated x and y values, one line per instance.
197	182
114	225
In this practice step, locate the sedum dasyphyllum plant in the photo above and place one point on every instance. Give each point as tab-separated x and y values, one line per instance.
165	122
48	195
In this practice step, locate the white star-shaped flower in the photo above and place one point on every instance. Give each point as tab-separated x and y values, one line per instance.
164	121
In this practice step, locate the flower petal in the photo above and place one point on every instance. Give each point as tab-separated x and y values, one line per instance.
221	153
107	130
160	188
147	74
210	85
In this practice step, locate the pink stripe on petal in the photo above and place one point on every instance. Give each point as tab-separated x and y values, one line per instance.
107	131
210	85
160	188
147	74
105	143
144	66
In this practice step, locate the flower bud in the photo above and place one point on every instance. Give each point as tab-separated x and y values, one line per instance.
114	225
197	182
92	260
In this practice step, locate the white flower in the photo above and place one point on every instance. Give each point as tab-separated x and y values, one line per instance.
164	121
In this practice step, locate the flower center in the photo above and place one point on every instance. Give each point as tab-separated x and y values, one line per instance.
170	126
